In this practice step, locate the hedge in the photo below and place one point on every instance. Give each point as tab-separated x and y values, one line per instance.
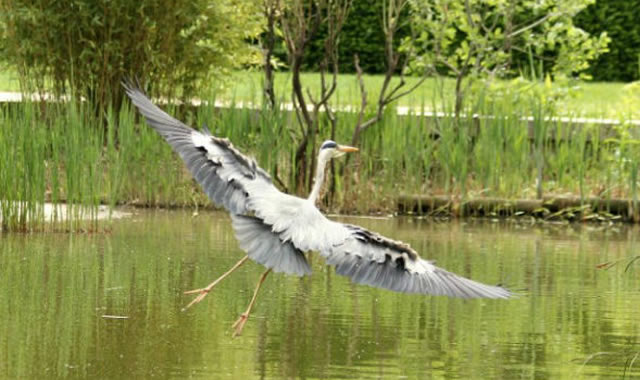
363	35
619	18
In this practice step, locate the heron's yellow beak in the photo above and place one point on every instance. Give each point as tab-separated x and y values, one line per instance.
346	148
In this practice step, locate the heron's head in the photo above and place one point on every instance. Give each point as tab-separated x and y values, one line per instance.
330	149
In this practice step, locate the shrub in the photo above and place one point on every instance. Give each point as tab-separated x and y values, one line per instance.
88	46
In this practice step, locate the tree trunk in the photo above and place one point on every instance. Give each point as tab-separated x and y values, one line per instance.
270	41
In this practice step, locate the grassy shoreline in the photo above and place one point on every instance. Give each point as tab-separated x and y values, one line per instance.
67	153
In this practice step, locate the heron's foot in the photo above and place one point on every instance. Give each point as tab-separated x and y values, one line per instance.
239	324
202	292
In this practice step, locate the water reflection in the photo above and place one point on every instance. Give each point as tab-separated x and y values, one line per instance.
56	288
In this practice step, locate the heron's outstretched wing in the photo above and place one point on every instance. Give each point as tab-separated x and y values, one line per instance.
217	166
367	257
229	178
371	259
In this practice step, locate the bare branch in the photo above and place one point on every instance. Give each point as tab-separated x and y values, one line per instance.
534	24
270	10
469	12
451	67
298	113
300	24
490	29
409	90
363	90
310	96
390	20
326	93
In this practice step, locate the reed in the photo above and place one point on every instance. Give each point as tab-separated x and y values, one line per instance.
23	153
66	152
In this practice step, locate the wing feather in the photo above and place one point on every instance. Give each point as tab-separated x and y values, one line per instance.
227	176
372	259
266	248
220	169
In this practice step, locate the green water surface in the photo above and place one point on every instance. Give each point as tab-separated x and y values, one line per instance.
59	293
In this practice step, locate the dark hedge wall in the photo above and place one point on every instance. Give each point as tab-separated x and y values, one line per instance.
362	34
621	20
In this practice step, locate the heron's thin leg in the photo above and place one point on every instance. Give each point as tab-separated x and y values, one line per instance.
239	324
204	291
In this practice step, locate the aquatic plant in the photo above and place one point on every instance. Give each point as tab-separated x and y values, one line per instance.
503	146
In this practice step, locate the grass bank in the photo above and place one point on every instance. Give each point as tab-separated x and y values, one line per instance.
65	153
586	99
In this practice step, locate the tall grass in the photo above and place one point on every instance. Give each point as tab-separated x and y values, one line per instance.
23	151
67	153
52	155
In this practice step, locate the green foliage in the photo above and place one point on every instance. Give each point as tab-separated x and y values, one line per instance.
90	45
362	34
619	20
482	39
481	36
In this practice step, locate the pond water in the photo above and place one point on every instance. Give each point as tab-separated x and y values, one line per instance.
571	320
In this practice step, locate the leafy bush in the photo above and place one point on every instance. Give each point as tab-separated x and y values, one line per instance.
89	46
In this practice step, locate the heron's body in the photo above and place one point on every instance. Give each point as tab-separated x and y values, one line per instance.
276	229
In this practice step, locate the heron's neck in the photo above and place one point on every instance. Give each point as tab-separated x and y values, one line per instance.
318	181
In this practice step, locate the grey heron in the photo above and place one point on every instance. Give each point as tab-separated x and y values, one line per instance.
277	229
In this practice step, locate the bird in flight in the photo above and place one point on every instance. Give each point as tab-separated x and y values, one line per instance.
275	229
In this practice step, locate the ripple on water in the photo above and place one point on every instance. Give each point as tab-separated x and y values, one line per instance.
571	320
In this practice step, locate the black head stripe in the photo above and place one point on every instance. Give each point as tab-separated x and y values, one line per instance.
328	144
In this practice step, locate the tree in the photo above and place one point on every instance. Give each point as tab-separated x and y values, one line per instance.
396	63
470	39
300	22
86	47
271	10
